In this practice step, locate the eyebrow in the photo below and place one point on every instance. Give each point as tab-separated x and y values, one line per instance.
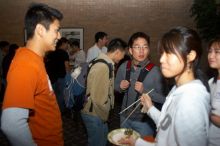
214	49
211	50
140	45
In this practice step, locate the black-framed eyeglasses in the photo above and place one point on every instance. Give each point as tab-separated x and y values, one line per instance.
140	47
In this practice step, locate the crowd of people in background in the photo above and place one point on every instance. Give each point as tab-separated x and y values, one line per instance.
186	112
7	52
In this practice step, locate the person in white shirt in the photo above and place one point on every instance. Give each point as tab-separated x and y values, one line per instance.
214	83
104	49
184	118
101	40
77	56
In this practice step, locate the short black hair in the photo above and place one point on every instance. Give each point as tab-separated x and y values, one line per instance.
61	41
115	44
136	36
100	35
4	44
75	44
39	13
12	48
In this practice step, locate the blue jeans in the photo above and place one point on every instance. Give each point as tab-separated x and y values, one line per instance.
143	128
97	130
58	88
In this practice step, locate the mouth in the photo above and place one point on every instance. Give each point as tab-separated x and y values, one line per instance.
211	62
141	56
162	67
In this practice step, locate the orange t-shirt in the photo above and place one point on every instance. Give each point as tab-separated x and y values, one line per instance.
28	86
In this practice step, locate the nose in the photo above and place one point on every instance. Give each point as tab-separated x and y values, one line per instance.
59	36
142	50
211	54
162	57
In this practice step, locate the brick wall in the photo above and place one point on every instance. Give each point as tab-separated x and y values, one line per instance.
119	18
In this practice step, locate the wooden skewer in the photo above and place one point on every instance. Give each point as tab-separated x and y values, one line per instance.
134	102
131	113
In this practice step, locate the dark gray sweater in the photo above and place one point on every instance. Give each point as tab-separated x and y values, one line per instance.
153	80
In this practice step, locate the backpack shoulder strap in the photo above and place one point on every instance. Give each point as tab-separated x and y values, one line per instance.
143	74
128	70
145	71
110	67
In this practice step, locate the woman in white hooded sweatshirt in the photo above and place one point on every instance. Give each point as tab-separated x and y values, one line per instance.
184	118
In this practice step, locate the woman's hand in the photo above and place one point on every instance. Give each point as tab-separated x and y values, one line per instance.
146	102
215	120
130	141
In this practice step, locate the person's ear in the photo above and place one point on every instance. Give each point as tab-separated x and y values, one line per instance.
39	30
130	50
100	40
116	52
191	56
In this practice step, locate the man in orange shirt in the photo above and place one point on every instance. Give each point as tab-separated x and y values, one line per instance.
30	113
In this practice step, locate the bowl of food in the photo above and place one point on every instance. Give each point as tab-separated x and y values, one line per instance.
116	135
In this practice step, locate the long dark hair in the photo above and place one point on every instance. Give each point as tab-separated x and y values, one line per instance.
182	40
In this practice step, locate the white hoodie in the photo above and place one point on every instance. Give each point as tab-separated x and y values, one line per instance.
184	119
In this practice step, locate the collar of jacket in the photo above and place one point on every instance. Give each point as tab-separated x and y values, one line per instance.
142	64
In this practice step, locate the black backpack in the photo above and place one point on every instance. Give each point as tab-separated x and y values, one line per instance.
141	76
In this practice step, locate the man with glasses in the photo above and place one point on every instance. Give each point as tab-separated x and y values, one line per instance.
133	86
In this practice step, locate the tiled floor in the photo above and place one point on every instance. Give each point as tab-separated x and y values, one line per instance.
74	130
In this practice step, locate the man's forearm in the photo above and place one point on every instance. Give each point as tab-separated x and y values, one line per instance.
15	126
